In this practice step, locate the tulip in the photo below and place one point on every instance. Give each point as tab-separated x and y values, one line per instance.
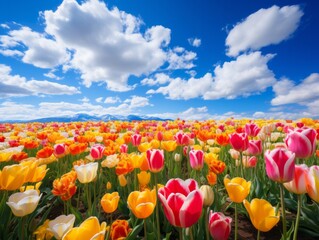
302	142
169	146
144	178
60	225
122	180
87	172
249	162
142	204
239	141
182	202
136	139
280	164
65	186
123	148
110	202
196	158
312	181
298	184
219	225
88	230
254	147
252	129
97	151
182	138
24	203
12	177
111	161
237	188
262	214
120	229
42	231
208	195
155	160
60	150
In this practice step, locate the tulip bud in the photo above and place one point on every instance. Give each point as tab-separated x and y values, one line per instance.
177	157
208	195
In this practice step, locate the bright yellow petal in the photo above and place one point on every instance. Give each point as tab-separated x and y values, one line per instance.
144	210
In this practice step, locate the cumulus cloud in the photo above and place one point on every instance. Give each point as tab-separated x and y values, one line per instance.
159	79
180	58
263	28
247	75
137	101
52	75
287	92
195	42
16	85
200	113
111	100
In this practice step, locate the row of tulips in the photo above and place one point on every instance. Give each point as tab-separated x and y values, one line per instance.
119	180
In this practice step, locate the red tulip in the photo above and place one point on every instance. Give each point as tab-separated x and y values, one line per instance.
301	141
155	160
196	158
219	225
254	147
298	184
280	164
136	139
123	148
239	141
182	138
182	202
60	150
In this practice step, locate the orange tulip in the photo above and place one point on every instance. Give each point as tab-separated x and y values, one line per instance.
110	202
120	229
45	152
65	186
142	204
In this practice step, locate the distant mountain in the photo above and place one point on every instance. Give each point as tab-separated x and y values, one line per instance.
82	117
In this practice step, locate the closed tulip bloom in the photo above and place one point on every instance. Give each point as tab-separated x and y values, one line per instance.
182	202
182	138
123	148
237	188
97	151
87	172
136	139
142	204
144	178
24	203
280	164
110	202
239	141
219	225
88	230
60	225
312	181
298	184
262	214
196	158
251	129
12	177
249	162
60	150
302	142
155	160
122	180
208	195
120	229
169	146
254	147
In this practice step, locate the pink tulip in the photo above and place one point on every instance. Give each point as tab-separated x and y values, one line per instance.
182	202
60	150
301	141
155	160
251	129
182	138
123	148
136	139
254	147
312	182
219	225
280	164
97	151
239	141
196	158
249	162
160	136
298	184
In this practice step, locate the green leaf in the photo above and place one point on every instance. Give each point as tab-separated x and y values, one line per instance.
135	232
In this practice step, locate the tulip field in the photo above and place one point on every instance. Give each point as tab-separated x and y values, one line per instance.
160	179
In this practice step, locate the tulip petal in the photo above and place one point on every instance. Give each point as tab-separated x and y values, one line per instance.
191	210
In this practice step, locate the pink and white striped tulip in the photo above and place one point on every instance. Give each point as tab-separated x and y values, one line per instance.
280	164
97	151
254	147
196	159
312	181
301	141
219	225
251	129
123	148
298	184
182	202
60	150
182	138
136	139
155	160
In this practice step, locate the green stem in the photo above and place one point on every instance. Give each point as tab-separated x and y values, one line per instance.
180	231
206	223
236	222
88	195
297	217
284	225
145	230
258	235
157	213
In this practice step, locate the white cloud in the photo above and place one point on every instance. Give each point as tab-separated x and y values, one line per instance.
159	78
107	45
179	58
16	85
3	25
263	28
11	53
137	101
85	100
41	51
185	89
304	93
247	75
200	113
51	74
111	100
99	100
195	42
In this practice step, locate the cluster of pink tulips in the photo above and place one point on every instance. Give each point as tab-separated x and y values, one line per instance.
158	180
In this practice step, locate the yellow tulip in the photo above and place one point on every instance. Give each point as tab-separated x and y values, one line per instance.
237	188
31	166
12	177
88	230
110	202
155	144
142	204
31	187
144	178
169	146
143	147
262	214
122	180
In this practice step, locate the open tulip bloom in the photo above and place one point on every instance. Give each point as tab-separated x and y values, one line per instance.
61	224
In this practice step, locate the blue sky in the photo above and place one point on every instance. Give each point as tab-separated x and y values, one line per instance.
187	59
